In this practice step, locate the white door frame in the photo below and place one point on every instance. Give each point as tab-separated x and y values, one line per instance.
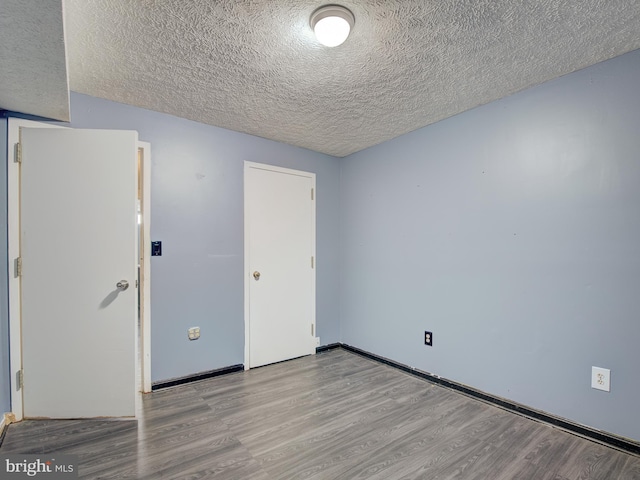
145	274
13	252
247	274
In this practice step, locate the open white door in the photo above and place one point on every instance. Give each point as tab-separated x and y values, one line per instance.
78	248
279	264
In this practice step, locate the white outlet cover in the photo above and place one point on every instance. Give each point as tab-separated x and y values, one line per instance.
601	378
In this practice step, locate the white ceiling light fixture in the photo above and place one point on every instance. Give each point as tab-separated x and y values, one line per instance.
332	24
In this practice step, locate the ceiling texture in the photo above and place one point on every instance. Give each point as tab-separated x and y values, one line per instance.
33	68
254	66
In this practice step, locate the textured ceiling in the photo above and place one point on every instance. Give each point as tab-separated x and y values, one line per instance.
33	65
254	65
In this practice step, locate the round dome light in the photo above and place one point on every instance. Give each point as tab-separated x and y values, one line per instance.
332	24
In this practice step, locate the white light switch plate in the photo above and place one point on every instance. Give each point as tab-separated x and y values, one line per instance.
601	378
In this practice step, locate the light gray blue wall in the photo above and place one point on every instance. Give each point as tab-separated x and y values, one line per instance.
5	399
511	231
197	213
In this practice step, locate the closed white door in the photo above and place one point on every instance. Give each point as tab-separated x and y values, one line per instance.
78	248
279	263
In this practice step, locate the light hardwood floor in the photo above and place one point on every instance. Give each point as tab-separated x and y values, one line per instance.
334	415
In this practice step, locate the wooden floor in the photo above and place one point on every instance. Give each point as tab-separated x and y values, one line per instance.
334	415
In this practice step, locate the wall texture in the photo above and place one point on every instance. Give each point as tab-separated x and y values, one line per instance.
5	399
511	231
197	213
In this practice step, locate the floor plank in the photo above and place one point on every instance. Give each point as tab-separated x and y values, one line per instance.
334	415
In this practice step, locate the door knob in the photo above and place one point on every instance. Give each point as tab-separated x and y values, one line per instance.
256	275
122	285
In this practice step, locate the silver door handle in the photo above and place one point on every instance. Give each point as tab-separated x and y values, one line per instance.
122	285
256	275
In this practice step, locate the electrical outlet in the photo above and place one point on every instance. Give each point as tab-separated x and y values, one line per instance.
194	333
317	341
428	338
601	378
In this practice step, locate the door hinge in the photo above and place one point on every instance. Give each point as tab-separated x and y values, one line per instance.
312	262
137	283
18	158
312	329
19	379
312	194
19	267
